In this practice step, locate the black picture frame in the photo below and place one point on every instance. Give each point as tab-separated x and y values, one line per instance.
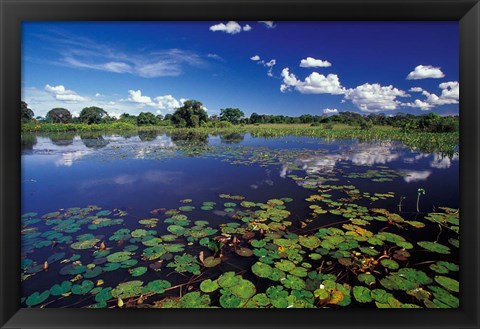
13	12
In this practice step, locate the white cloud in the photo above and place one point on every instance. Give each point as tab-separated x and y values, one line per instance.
166	102
312	62
64	95
415	176
424	72
268	24
330	111
315	83
450	95
416	89
419	104
155	64
374	97
98	95
231	27
440	162
135	96
270	64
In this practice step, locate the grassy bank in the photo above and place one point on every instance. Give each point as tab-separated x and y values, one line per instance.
446	143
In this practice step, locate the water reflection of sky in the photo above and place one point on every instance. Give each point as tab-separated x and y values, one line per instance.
123	171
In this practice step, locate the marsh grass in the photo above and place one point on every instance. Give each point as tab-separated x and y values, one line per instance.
445	143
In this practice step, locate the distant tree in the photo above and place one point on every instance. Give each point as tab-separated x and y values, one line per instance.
233	115
93	114
128	118
365	124
59	115
254	118
26	114
190	115
146	118
168	117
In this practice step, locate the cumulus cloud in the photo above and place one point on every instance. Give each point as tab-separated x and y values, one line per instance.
315	83
166	102
268	24
136	96
60	93
255	58
98	95
231	27
424	72
312	62
450	95
374	97
419	104
416	89
330	111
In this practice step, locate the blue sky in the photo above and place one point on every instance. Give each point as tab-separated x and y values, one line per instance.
288	68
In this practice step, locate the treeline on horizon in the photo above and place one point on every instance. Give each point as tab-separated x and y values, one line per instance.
192	114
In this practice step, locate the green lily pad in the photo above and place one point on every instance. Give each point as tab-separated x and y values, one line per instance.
367	278
104	295
86	244
72	269
390	264
448	283
362	294
229	300
55	257
94	272
293	282
310	242
156	286
109	267
138	233
37	298
262	270
83	288
285	265
194	300
211	261
228	280
176	229
434	247
244	252
119	257
209	285
138	271
127	289
243	289
60	289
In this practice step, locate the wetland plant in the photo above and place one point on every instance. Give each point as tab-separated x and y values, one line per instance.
420	191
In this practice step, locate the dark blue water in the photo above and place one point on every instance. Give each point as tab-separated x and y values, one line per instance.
150	174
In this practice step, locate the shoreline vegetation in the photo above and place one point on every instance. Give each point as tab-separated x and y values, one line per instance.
445	143
429	132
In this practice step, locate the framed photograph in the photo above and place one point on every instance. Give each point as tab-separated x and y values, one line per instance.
239	164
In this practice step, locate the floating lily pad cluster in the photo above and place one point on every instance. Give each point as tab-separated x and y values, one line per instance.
287	262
